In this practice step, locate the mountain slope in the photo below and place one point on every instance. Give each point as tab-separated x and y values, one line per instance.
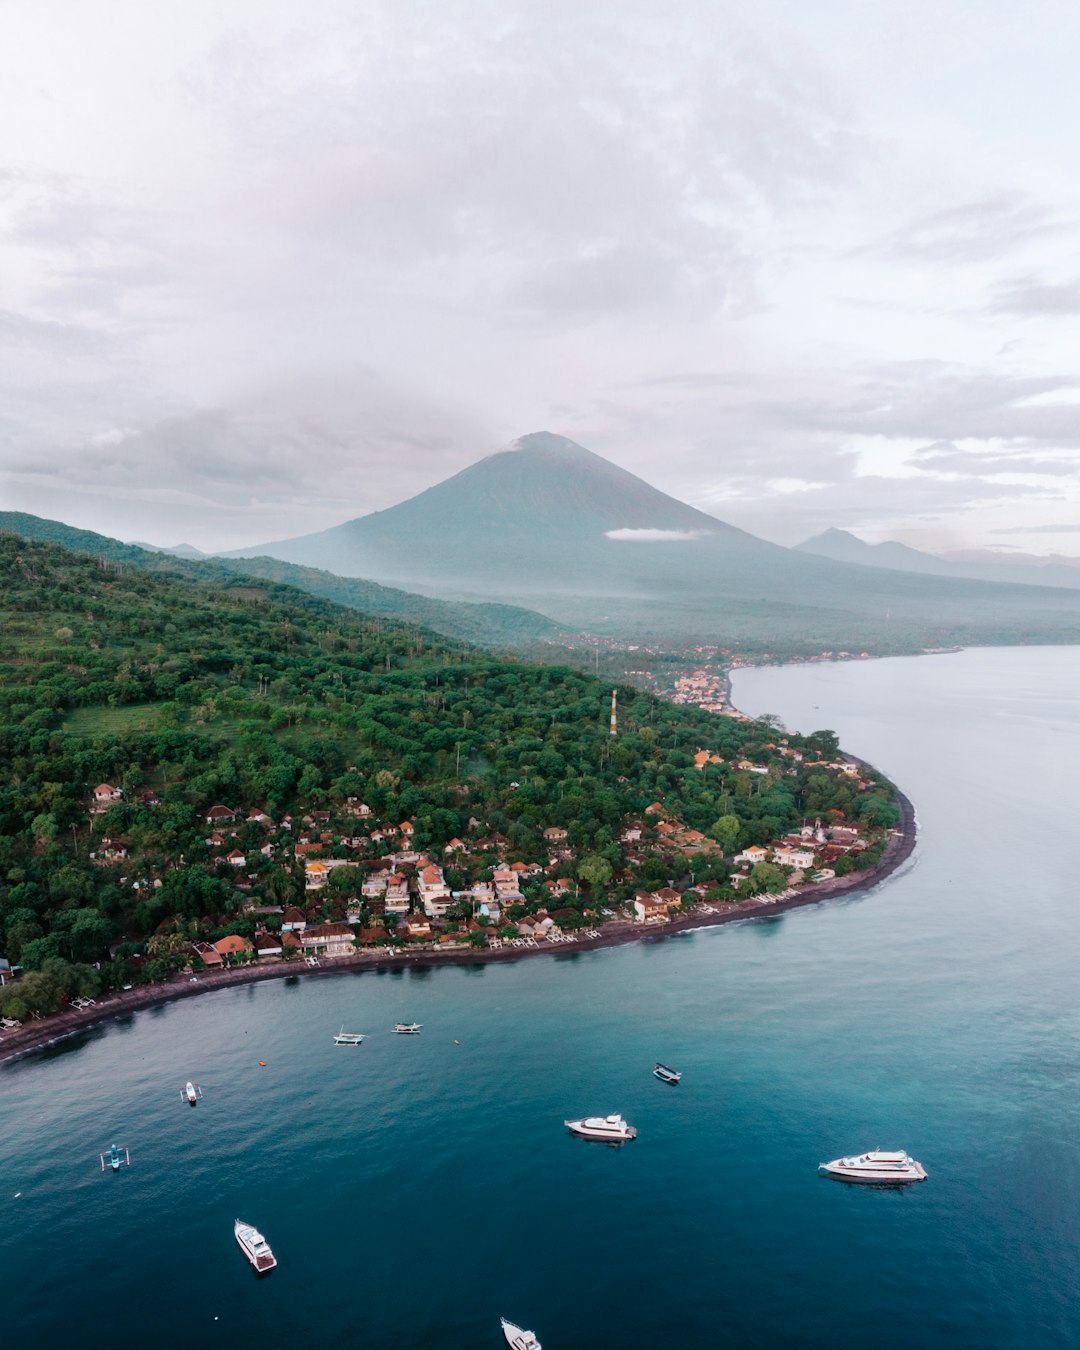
554	527
842	546
488	625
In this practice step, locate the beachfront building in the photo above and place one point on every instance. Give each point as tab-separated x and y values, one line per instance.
435	897
650	907
327	939
397	895
267	945
752	855
788	856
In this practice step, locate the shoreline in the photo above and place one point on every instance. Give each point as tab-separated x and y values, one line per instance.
39	1035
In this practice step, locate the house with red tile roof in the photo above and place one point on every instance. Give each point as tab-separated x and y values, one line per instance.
234	945
105	794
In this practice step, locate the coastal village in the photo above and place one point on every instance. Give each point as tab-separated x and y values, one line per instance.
363	792
345	878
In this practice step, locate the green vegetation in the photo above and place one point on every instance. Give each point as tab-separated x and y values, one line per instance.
184	694
487	625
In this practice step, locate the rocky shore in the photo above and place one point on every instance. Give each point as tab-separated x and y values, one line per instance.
36	1034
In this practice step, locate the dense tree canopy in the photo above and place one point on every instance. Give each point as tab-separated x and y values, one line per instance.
184	695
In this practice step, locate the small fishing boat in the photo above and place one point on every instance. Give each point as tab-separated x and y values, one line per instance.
348	1037
609	1129
407	1028
516	1337
191	1092
875	1168
116	1156
667	1075
254	1246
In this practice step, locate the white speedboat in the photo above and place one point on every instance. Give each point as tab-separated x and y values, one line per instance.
875	1168
254	1246
519	1339
348	1037
610	1129
407	1028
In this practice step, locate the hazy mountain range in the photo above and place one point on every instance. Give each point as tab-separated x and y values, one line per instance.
548	537
549	525
845	547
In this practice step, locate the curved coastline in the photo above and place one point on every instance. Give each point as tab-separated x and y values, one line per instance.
60	1026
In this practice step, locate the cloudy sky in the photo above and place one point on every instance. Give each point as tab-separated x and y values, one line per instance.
264	267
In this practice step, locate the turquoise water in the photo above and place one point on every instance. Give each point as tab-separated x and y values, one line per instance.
415	1189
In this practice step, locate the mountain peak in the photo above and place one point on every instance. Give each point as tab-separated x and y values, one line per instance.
548	443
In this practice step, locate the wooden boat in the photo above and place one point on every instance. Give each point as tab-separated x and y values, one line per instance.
517	1337
116	1156
191	1092
254	1246
348	1037
407	1028
667	1075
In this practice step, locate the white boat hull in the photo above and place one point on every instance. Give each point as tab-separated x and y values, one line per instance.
255	1247
875	1169
518	1338
607	1131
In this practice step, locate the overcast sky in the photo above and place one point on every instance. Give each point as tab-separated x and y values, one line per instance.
264	267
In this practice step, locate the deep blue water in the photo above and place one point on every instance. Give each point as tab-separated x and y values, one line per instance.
416	1189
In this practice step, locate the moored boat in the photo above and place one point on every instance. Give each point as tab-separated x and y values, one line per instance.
667	1075
517	1337
117	1156
407	1028
876	1168
348	1037
610	1129
254	1246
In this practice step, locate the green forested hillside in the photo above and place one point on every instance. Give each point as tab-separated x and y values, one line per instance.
488	625
185	695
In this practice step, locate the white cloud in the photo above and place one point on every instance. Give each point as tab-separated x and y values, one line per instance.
655	536
265	270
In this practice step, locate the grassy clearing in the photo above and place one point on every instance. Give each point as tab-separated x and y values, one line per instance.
105	721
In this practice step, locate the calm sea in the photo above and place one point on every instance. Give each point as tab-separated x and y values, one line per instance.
415	1189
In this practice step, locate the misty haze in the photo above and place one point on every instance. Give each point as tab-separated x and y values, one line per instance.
539	667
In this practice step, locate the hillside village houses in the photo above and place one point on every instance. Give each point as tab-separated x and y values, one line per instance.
477	889
105	795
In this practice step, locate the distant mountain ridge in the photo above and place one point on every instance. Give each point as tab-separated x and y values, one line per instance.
178	550
842	546
552	526
489	625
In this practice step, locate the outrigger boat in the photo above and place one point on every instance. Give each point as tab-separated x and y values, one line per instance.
516	1337
608	1129
667	1075
115	1156
254	1246
191	1092
875	1169
348	1037
407	1028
